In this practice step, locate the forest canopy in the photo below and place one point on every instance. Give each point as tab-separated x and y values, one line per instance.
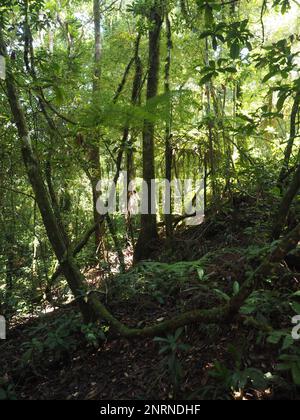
101	101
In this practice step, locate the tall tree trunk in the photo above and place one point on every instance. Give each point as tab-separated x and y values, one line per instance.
289	147
168	144
148	233
135	100
97	37
93	149
35	175
210	129
35	245
118	245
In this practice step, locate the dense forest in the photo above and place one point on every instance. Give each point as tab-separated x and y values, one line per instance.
150	207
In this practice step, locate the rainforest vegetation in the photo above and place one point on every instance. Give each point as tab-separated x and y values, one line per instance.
196	301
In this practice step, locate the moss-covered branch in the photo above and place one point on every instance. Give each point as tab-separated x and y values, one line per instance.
93	307
220	314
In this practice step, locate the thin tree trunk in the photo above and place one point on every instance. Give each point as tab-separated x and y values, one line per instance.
76	248
287	199
168	144
97	36
135	100
210	130
205	183
289	147
118	247
34	172
35	243
93	149
148	233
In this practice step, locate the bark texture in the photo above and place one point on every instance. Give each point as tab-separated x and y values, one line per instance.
148	233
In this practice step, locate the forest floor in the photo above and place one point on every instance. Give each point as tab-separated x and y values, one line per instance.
118	368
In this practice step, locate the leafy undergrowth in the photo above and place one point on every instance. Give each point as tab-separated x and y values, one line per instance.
54	356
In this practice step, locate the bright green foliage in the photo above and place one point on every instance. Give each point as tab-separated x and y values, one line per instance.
171	347
226	108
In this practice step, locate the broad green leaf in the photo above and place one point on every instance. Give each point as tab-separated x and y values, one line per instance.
231	69
296	307
235	50
268	76
236	288
287	342
178	333
275	337
296	373
200	273
206	78
223	295
282	98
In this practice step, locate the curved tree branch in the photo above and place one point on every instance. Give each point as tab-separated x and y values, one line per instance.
220	314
